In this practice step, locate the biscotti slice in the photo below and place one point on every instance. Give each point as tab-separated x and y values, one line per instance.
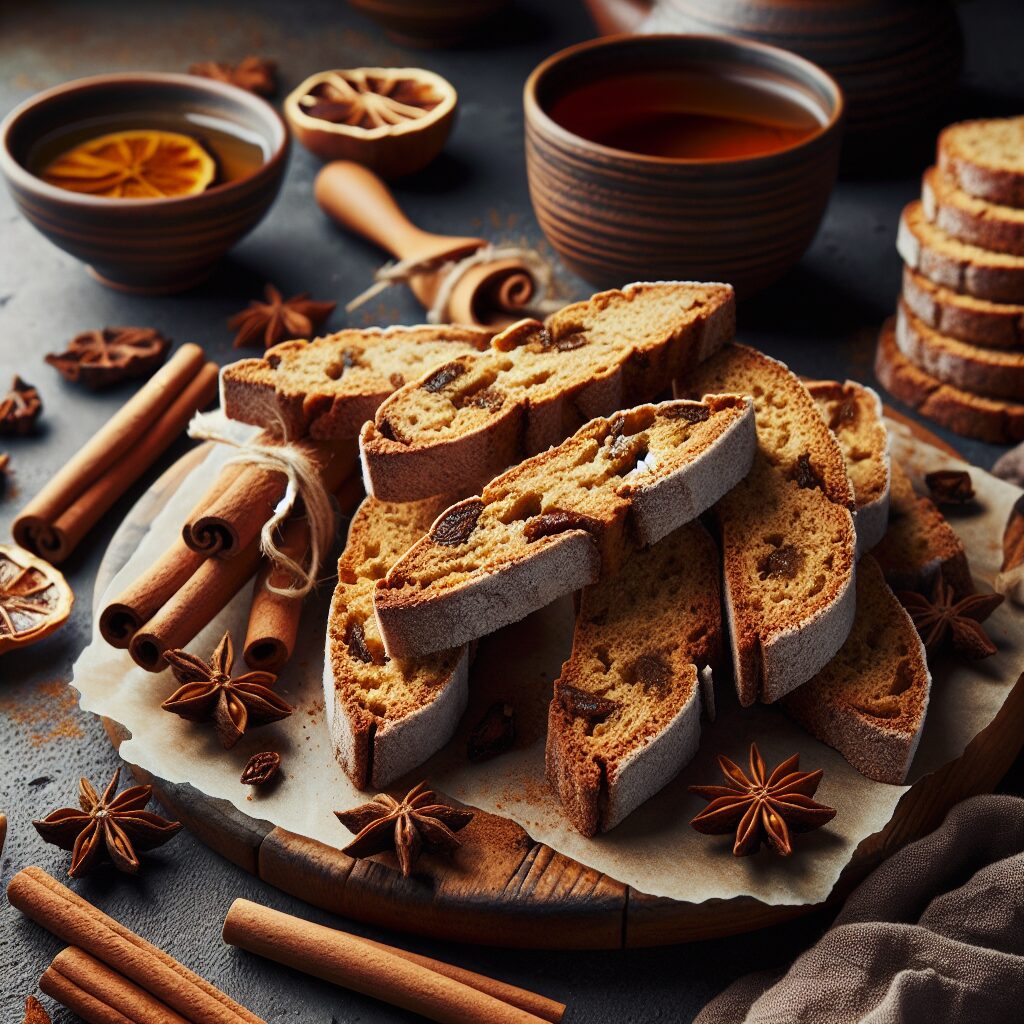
385	716
980	370
958	265
327	388
563	520
919	542
987	419
787	531
470	418
869	702
978	221
990	324
986	158
625	717
853	413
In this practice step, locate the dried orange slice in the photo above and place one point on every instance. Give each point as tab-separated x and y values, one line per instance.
35	599
134	165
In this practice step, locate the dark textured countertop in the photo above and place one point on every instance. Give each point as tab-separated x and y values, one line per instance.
822	320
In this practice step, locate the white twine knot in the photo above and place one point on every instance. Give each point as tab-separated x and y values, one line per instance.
304	483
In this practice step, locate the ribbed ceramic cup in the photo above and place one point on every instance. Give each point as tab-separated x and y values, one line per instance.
143	245
616	216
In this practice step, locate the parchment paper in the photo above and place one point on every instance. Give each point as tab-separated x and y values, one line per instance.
655	849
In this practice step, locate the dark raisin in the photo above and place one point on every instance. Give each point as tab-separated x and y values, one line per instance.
845	414
805	474
385	429
493	734
558	521
442	377
651	672
581	704
490	399
355	641
568	342
456	527
691	413
782	563
261	768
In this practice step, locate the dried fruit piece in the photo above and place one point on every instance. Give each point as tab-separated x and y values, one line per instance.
261	768
35	599
355	641
19	408
558	521
494	733
805	474
361	99
256	74
442	377
651	672
104	356
782	563
457	526
278	318
583	704
950	486
142	164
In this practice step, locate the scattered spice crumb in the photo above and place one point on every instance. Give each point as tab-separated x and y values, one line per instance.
48	715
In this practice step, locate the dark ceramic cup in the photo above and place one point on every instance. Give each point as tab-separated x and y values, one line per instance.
148	246
616	216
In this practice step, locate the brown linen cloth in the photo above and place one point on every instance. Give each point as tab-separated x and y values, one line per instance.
935	933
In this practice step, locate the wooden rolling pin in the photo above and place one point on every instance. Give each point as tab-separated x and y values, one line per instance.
494	293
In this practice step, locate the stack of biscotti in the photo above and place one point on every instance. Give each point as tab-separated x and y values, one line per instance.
955	349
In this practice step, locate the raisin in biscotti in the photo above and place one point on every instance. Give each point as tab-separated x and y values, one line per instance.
786	531
986	158
471	418
989	225
853	413
562	520
869	701
998	325
625	717
919	542
987	419
328	388
384	716
961	266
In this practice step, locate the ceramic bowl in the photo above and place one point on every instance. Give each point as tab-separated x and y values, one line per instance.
616	216
144	245
429	23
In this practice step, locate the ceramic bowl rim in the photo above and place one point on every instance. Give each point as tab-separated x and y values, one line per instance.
18	174
537	114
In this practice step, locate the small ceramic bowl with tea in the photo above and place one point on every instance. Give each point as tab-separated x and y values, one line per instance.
681	156
147	178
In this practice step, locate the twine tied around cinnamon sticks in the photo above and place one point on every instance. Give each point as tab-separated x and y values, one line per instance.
304	483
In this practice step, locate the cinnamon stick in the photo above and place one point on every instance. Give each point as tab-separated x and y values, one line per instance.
54	522
79	923
202	541
368	968
99	995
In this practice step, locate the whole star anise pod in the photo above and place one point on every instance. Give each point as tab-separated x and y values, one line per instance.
408	827
278	318
19	408
940	616
108	827
950	486
104	356
761	807
257	74
208	692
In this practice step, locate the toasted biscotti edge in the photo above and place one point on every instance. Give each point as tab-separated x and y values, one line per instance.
960	159
969	218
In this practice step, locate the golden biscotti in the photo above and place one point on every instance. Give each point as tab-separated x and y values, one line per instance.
470	418
625	716
385	716
326	389
970	219
986	158
562	520
869	702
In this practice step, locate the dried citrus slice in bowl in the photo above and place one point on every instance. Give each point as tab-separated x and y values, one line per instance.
35	599
142	164
392	120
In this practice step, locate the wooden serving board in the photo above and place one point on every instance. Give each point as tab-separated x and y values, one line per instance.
507	889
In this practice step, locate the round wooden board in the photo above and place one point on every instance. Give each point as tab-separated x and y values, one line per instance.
508	890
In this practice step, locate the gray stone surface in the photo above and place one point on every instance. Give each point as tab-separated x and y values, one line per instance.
822	321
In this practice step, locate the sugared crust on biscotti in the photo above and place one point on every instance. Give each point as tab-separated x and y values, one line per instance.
327	388
984	371
853	413
869	702
384	716
640	640
958	265
987	419
998	325
469	419
919	542
989	225
563	519
986	158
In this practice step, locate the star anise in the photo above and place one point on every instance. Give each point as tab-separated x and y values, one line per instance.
108	827
761	807
408	827
257	74
19	408
278	319
950	486
940	616
207	692
106	355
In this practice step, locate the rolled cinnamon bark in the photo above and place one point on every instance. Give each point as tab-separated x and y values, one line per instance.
55	520
197	535
79	923
367	968
98	995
